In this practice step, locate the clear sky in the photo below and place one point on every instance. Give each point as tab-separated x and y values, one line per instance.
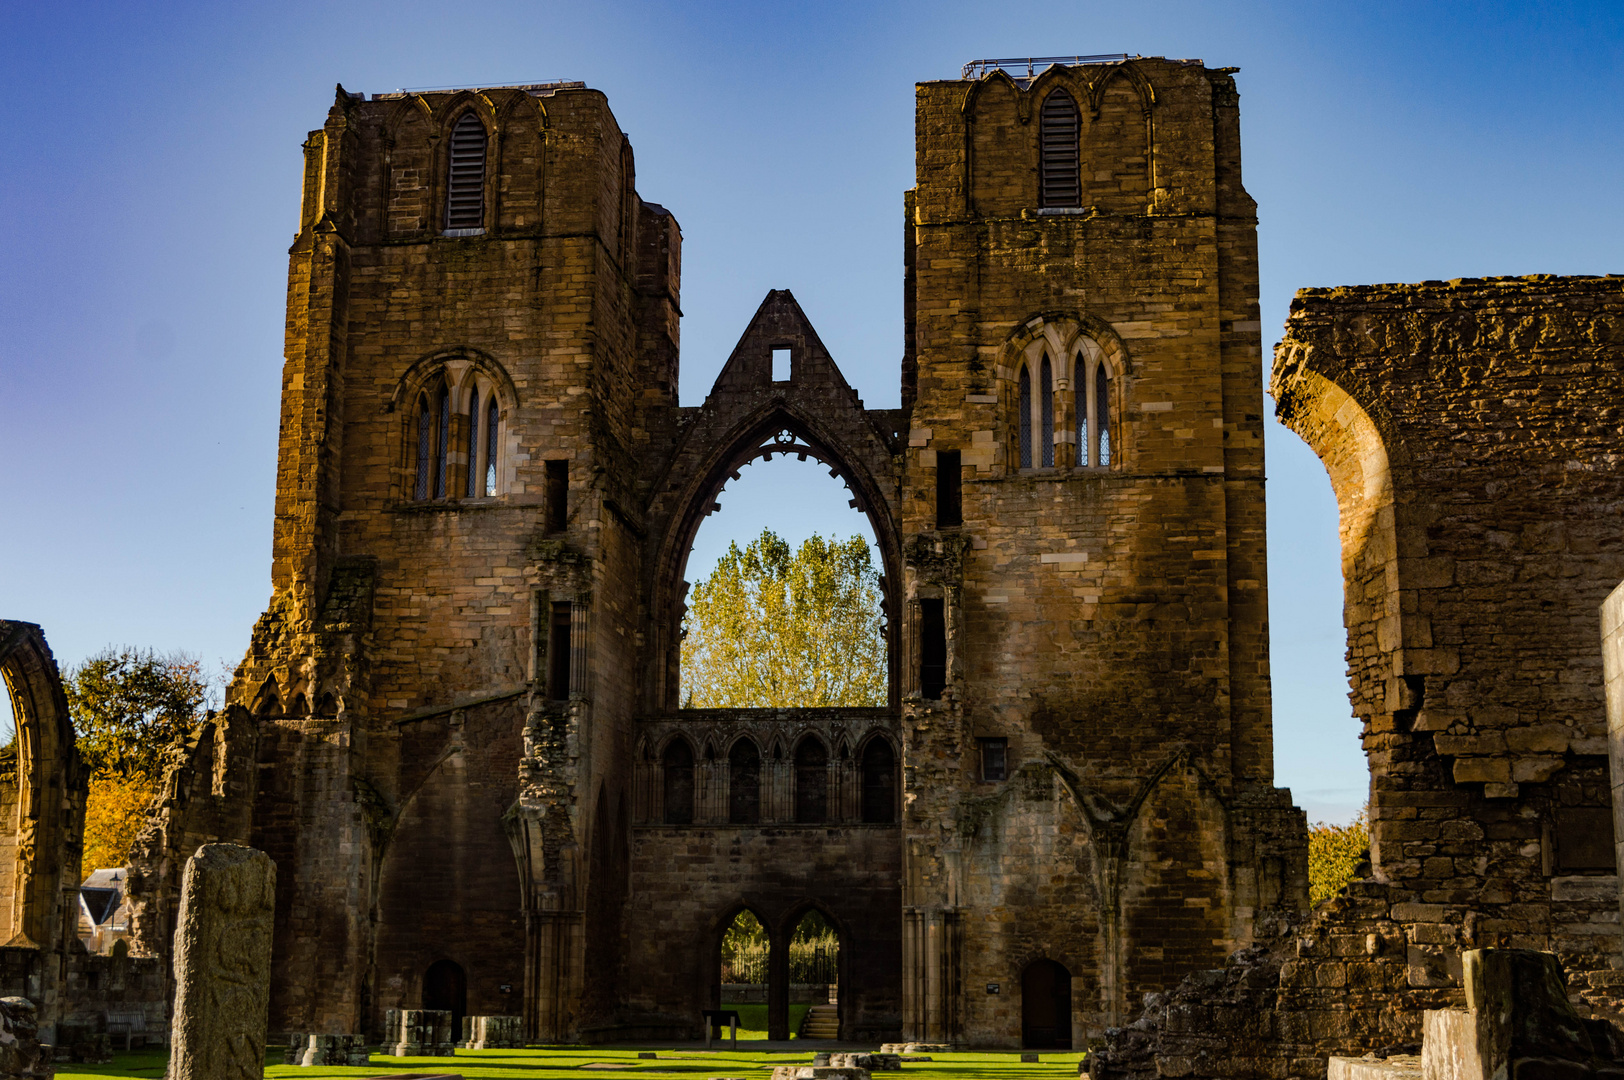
150	184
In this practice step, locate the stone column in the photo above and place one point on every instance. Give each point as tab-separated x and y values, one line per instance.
223	964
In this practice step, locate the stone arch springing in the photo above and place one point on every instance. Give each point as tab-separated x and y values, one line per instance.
778	428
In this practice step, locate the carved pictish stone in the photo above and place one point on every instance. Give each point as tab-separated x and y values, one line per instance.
223	964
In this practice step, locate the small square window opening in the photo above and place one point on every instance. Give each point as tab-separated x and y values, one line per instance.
994	754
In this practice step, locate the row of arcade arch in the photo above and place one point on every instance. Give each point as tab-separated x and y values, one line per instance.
813	777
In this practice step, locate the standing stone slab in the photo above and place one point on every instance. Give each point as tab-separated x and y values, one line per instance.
223	964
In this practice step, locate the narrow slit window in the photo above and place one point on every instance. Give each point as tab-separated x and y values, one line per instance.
474	489
1046	413
1061	182
949	490
781	365
492	414
932	649
557	495
558	652
465	183
1023	405
425	448
442	444
1102	406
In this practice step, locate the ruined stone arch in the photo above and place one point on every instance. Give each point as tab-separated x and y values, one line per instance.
43	785
775	428
1129	73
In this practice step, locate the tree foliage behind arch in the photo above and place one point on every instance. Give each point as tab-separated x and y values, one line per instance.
774	629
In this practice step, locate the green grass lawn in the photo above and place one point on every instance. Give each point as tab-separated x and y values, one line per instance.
681	1063
753	1019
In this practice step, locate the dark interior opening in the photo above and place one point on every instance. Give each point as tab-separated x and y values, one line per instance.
811	782
1045	1006
556	495
678	762
949	490
744	783
932	649
558	652
445	986
879	783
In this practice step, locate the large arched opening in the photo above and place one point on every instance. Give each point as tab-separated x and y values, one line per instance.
776	473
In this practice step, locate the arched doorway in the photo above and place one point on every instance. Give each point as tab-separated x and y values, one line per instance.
1045	1006
445	986
814	978
742	964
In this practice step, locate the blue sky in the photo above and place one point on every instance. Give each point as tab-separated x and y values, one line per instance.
151	180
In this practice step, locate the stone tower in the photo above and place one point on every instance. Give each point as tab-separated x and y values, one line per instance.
1087	722
457	728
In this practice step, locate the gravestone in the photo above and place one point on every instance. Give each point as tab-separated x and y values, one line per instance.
223	964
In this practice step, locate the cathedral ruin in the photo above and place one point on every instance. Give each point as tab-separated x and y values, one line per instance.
457	728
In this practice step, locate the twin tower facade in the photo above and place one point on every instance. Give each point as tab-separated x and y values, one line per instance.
457	728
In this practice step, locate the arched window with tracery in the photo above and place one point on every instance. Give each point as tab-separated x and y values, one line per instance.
1093	382
465	177
1060	180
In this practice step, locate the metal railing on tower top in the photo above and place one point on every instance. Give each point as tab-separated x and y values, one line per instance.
975	69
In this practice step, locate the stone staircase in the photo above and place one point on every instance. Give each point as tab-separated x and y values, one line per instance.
821	1022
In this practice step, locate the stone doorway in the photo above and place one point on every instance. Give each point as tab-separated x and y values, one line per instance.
445	986
814	978
1045	1006
743	963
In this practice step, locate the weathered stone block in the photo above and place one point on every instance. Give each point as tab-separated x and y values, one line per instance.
492	1032
223	964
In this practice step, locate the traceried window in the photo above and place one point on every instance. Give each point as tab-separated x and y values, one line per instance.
1060	177
449	420
465	180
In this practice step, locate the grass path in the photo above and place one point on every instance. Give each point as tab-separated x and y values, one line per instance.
623	1064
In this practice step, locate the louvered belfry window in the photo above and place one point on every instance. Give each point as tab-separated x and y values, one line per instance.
465	189
1060	184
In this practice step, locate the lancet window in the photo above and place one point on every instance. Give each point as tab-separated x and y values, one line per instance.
1060	175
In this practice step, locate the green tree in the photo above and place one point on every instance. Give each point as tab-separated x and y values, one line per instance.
129	705
1335	854
769	629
